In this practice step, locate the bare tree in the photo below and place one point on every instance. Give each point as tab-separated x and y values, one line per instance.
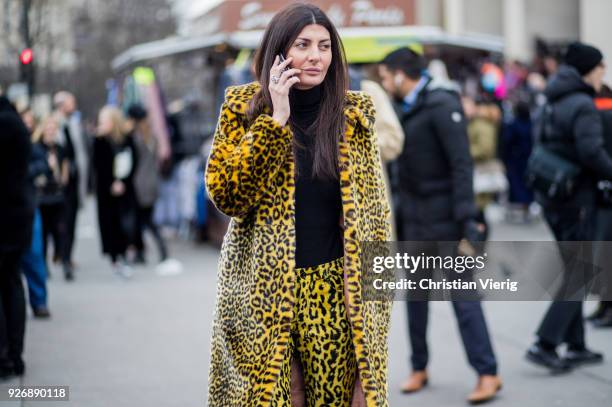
74	41
104	29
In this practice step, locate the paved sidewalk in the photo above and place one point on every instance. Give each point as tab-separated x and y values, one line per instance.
145	342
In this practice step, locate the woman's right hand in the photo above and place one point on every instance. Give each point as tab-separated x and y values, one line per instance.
279	92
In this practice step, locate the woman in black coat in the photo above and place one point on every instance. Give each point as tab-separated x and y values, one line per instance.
50	187
113	164
516	146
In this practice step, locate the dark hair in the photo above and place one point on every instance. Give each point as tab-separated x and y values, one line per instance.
522	110
137	112
329	125
406	60
6	105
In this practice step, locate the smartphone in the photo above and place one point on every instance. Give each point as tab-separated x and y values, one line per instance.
282	59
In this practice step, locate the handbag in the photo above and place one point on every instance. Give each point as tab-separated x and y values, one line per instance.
490	177
122	164
547	172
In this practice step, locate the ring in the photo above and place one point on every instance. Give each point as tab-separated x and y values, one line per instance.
274	79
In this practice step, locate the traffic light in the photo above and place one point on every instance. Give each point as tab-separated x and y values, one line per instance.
26	56
26	71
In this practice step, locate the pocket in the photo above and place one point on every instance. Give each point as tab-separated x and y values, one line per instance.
322	311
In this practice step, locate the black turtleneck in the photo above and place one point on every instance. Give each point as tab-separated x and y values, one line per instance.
318	204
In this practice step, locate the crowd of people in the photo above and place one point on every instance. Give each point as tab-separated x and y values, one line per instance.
547	139
48	166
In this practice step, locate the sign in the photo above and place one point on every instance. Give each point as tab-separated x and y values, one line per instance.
237	15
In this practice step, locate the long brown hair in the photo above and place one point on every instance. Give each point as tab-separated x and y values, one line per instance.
282	30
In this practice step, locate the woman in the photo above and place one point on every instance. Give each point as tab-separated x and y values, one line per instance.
516	146
50	187
295	164
33	260
114	164
489	173
146	181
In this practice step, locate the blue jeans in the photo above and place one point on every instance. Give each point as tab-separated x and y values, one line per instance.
34	268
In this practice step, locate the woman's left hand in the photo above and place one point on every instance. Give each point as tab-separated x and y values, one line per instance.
358	396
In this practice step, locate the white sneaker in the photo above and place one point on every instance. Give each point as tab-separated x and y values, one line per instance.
126	271
123	270
169	267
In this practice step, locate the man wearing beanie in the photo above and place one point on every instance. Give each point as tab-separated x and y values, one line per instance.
584	58
571	129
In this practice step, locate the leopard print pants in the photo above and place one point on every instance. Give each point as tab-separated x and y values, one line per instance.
320	341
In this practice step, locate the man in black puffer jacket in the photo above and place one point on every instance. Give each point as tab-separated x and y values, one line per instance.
436	203
16	214
578	138
602	317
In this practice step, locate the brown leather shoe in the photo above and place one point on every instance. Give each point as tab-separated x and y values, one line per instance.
415	382
486	389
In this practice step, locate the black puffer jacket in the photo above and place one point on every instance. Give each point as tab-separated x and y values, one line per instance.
578	133
16	201
434	170
606	118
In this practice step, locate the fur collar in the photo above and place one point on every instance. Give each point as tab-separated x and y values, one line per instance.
358	105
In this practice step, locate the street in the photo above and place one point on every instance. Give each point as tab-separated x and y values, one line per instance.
145	342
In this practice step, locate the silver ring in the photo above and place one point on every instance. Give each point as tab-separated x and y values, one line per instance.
274	79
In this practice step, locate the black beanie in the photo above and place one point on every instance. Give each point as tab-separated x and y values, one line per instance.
136	112
583	57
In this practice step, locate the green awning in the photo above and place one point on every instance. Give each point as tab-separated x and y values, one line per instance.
373	50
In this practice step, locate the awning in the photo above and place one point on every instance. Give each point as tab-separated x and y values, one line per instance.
362	44
161	48
370	45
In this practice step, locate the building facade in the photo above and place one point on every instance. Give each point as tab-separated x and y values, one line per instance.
521	22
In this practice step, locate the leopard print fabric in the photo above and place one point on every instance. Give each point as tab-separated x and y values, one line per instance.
250	177
320	340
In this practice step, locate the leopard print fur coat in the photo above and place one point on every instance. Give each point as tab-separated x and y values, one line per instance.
250	177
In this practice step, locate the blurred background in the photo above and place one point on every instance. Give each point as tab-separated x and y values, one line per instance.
137	331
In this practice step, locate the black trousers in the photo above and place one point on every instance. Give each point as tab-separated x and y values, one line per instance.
12	307
470	318
71	209
54	225
473	330
563	322
144	222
